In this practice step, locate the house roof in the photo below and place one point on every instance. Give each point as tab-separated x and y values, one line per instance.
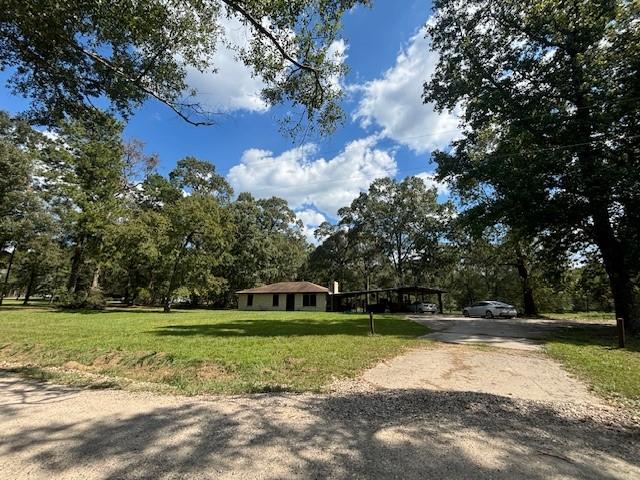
288	287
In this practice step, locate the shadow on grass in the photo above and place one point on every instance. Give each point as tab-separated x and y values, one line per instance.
8	308
292	327
380	435
592	335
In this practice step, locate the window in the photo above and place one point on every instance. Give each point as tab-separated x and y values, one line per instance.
250	300
309	300
276	300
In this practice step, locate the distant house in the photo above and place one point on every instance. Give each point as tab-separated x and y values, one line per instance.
304	296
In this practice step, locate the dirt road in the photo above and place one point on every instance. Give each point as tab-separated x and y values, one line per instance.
57	432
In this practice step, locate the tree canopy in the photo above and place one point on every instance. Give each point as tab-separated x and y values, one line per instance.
549	93
67	57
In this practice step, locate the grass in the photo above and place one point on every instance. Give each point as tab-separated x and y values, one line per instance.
200	351
591	352
584	317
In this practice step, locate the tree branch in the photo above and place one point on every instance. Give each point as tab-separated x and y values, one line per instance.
265	31
139	82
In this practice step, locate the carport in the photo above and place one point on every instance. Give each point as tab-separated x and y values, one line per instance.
380	299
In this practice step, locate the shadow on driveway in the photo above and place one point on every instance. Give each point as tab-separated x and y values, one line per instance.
391	434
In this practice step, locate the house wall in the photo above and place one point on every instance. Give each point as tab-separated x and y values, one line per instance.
264	301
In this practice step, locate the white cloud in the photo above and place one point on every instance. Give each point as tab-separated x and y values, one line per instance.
232	86
393	102
429	179
337	53
305	181
311	219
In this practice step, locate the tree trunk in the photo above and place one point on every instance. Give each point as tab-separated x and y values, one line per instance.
76	262
27	295
599	198
127	297
95	281
613	256
172	281
528	301
6	275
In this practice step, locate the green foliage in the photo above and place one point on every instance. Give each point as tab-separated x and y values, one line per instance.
90	218
85	300
549	93
267	246
199	177
401	220
69	55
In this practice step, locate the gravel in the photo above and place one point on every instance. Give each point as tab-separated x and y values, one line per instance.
358	431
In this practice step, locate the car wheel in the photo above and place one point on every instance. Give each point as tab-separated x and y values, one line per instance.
465	313
488	314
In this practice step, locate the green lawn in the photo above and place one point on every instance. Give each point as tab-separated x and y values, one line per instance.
584	317
199	351
591	352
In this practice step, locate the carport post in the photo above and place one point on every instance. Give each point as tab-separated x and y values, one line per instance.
440	302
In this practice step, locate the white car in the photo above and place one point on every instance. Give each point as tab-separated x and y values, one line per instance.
420	307
490	309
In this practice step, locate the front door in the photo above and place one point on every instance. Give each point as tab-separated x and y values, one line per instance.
291	301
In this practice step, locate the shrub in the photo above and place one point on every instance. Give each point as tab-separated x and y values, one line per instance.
92	300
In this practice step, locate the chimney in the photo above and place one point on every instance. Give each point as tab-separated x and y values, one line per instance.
334	287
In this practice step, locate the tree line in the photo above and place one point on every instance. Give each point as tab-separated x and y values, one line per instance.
87	217
85	214
545	169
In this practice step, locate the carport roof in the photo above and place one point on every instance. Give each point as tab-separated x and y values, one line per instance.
404	289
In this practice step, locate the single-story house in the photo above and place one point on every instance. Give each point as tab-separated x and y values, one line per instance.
305	296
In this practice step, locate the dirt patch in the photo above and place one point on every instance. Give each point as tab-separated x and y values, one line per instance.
211	371
73	365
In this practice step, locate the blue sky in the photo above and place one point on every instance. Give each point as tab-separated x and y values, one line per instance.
388	131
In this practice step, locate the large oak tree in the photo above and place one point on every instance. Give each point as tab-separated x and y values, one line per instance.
550	97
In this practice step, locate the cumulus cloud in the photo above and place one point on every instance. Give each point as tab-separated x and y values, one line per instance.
306	180
337	53
429	179
393	102
311	219
232	86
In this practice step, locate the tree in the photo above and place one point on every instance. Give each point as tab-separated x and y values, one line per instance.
268	245
332	260
196	176
199	232
403	220
85	183
197	242
66	55
20	204
549	93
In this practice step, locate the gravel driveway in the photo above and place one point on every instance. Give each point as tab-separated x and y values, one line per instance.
443	411
57	432
512	333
